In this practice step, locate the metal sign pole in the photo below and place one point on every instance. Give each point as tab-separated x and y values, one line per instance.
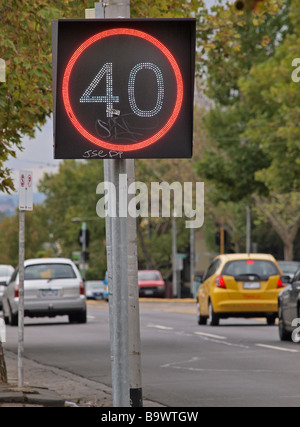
21	298
121	241
120	369
25	204
135	366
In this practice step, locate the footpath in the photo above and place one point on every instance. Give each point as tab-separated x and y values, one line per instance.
47	386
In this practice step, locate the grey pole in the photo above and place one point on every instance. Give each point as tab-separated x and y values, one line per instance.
120	368
174	255
83	249
108	230
192	259
98	12
121	247
21	298
117	236
248	229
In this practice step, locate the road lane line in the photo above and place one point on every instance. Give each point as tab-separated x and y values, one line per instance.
219	337
272	347
160	327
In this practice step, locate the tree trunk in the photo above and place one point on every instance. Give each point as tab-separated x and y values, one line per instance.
288	251
3	371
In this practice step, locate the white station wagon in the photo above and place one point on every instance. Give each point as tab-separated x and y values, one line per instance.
52	287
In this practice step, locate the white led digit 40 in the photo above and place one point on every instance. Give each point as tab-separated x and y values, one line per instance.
109	99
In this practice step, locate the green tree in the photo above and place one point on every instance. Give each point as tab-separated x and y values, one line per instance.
253	124
231	160
273	99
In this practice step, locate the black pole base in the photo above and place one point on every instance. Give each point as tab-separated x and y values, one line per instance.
136	398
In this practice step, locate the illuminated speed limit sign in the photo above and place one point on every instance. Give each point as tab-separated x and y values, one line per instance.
123	88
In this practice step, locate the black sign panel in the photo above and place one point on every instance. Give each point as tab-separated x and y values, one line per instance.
123	88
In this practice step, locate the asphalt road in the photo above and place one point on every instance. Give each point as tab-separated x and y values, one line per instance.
239	363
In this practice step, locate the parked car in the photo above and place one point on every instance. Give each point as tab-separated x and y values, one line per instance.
52	286
151	284
5	274
289	268
96	289
289	308
240	285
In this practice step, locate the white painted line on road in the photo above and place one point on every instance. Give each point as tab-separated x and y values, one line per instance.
91	317
272	347
160	327
219	337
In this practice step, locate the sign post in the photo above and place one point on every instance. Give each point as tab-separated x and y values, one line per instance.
117	249
25	204
123	89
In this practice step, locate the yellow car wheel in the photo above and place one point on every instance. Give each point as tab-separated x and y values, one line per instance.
213	318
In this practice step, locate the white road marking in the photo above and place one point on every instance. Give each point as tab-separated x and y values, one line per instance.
160	327
219	337
272	347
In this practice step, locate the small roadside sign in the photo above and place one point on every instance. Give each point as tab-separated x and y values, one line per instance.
25	191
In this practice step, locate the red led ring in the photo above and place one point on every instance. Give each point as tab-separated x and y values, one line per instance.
66	81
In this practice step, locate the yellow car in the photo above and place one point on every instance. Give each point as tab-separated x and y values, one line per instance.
239	285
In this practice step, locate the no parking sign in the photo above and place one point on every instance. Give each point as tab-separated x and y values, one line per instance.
25	191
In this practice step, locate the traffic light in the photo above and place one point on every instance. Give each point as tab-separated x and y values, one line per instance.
85	255
247	4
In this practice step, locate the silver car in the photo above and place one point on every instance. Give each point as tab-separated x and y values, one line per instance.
5	274
52	287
